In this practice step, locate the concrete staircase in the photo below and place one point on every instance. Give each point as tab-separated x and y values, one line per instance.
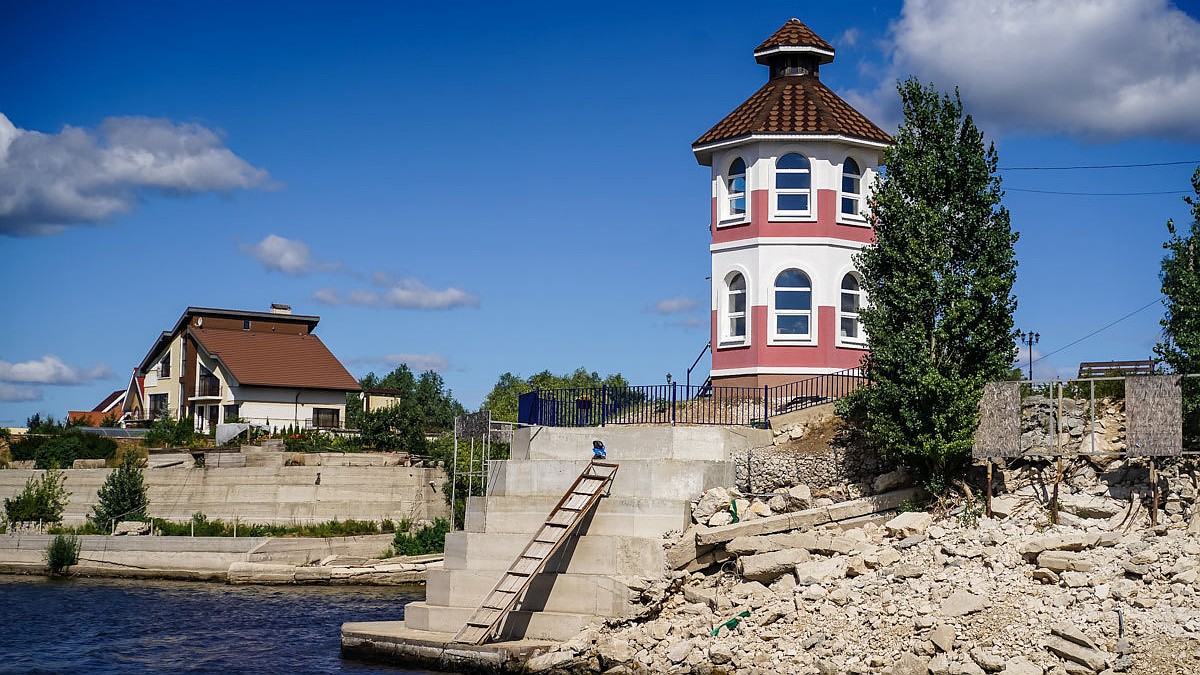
616	552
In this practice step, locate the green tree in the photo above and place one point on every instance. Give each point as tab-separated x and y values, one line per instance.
123	494
1180	345
503	399
939	279
44	499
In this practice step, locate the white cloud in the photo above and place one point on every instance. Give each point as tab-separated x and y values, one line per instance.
418	363
81	177
404	293
849	38
674	305
50	370
1097	69
289	256
17	392
690	322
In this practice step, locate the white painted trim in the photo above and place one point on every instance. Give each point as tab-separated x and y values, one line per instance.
786	241
767	370
716	145
796	49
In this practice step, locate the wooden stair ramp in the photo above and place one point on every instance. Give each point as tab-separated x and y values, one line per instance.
566	516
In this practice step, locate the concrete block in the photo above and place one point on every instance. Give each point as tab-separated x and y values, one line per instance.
589	554
533	625
594	594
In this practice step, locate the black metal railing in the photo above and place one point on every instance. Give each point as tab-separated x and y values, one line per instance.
681	403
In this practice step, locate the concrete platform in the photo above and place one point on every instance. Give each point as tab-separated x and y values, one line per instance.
660	478
390	641
596	594
536	625
617	516
590	554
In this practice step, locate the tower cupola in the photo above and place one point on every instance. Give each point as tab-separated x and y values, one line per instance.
793	50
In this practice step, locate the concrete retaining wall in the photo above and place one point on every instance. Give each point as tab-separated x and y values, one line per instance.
269	495
204	558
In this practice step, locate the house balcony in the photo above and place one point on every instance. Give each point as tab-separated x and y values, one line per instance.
207	387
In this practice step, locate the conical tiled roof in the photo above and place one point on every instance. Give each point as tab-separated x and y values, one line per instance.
794	105
794	36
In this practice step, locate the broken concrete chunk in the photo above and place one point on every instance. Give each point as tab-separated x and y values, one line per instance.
909	524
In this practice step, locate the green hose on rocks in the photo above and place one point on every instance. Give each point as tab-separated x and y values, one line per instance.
731	623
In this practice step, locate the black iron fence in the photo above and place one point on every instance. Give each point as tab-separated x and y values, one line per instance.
681	403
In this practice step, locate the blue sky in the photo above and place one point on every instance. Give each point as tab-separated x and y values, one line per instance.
481	188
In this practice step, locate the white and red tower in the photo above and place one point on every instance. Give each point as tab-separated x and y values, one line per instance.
791	169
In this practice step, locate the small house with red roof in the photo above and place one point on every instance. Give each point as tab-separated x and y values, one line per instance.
791	169
111	408
224	365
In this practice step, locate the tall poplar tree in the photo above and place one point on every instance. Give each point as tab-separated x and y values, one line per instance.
939	283
1180	346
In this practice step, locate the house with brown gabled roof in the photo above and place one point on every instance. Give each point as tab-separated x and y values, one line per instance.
223	365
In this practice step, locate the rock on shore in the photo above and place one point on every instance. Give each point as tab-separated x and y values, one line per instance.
950	595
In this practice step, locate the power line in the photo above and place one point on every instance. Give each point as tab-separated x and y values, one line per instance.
1100	194
1102	329
1096	166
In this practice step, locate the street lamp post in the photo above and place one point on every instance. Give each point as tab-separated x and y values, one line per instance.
1029	339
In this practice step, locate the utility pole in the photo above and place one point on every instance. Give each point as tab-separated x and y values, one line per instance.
1029	339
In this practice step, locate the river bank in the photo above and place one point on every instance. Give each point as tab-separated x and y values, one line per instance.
236	560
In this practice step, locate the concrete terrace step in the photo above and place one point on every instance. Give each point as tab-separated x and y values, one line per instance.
625	443
590	594
520	624
658	478
617	516
588	554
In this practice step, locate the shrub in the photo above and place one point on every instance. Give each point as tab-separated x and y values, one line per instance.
62	450
62	552
428	539
43	499
123	494
166	431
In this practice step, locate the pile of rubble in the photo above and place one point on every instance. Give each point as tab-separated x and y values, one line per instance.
724	505
1102	592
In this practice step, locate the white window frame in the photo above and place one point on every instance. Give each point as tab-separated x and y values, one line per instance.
773	319
787	215
841	314
725	214
725	317
856	218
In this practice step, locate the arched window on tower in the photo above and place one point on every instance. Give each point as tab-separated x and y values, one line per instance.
734	328
793	305
736	308
793	182
851	188
735	189
852	300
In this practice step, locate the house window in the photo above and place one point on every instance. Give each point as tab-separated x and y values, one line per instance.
793	305
207	384
326	418
231	413
852	300
164	366
158	405
735	308
851	188
735	189
793	182
246	324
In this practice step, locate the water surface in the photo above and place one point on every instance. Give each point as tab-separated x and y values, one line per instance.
110	626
